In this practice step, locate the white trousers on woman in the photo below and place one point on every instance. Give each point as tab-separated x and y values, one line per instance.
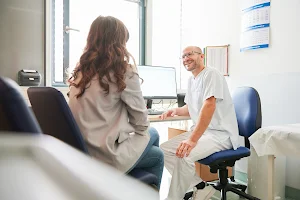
183	171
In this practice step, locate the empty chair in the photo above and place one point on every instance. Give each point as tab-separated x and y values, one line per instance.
56	119
54	116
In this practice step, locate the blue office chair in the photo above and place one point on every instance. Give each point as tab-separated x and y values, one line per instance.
56	119
14	112
248	112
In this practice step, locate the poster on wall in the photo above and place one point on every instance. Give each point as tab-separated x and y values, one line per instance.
217	57
255	26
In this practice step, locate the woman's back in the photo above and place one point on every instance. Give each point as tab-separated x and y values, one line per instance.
107	102
108	121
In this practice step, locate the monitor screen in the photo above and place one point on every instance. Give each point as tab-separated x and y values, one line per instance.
159	82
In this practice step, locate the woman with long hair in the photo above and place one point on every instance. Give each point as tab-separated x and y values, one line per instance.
106	100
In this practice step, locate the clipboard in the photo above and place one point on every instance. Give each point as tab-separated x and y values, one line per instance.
217	57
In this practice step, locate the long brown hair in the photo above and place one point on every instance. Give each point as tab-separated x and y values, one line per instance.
105	52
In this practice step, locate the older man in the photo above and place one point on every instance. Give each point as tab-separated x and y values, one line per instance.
209	104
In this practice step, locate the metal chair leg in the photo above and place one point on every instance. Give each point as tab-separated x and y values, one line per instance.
242	194
239	186
223	194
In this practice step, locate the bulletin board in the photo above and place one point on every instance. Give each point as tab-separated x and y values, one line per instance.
217	57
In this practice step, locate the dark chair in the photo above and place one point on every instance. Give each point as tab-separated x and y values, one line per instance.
56	119
15	115
248	112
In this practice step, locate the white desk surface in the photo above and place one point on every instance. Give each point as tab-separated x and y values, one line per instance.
155	118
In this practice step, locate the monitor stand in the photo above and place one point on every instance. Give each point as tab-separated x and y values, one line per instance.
149	103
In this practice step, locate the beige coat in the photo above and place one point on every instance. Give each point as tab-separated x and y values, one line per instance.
114	126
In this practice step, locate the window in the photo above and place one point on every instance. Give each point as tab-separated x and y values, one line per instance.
174	29
71	23
166	37
57	41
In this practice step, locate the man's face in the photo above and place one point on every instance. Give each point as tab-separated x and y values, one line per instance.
191	59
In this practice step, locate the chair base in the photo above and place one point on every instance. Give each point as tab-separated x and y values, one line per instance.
235	188
223	185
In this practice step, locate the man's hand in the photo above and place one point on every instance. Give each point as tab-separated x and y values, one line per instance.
184	148
169	113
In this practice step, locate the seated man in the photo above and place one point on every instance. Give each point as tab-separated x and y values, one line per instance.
209	104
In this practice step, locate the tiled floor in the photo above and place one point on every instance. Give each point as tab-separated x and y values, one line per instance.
230	196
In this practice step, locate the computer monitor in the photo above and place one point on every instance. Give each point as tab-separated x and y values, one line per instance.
159	82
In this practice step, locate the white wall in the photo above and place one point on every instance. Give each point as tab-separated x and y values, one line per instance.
21	37
274	72
275	68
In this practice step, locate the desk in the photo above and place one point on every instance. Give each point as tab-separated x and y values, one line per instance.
275	141
155	118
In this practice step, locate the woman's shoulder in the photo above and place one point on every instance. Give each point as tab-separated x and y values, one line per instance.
131	71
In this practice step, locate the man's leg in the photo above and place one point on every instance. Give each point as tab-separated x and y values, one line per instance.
183	169
174	165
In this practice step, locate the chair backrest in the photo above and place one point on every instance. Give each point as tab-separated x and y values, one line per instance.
15	114
55	117
248	110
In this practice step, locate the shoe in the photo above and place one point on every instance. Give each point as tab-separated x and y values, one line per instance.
203	194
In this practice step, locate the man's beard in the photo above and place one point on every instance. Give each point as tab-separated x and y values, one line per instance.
191	67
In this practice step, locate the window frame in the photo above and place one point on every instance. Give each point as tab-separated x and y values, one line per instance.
66	39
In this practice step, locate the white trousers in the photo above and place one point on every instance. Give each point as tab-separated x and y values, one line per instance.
183	171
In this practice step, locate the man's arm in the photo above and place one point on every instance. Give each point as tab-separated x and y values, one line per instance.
206	113
182	111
